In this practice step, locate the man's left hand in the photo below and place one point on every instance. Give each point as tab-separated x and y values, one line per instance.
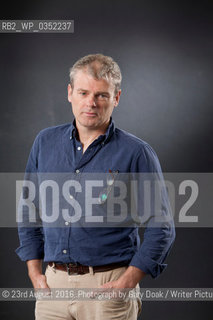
129	279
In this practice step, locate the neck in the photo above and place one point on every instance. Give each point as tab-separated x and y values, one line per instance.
88	135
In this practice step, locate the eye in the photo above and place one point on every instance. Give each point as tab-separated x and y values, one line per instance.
102	96
82	93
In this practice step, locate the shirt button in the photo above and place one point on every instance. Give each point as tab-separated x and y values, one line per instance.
64	251
71	197
70	137
77	171
79	148
66	223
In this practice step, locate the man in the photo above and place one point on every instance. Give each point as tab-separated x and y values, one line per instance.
92	257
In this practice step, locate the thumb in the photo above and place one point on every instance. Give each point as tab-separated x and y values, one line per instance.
43	282
108	285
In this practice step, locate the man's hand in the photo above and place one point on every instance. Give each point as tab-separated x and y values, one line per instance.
129	279
35	273
39	281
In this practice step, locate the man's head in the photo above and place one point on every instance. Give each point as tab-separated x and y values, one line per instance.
94	90
99	67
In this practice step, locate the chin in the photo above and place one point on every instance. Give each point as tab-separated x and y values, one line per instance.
89	123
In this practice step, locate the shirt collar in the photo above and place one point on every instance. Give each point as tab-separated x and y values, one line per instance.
73	130
102	138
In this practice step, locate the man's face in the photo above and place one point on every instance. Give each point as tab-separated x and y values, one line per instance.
92	100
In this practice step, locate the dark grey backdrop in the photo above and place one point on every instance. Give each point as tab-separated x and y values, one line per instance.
165	52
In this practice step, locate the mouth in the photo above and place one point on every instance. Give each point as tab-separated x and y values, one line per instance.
90	114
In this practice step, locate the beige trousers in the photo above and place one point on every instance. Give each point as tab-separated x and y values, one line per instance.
79	309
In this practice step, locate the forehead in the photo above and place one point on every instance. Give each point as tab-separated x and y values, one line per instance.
84	80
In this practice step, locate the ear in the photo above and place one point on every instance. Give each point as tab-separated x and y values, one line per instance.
117	98
69	93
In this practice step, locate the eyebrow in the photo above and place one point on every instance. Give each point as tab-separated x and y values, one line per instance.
80	89
103	92
97	93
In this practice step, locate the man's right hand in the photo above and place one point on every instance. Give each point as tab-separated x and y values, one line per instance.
35	273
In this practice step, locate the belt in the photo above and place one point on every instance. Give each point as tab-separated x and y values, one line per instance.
76	268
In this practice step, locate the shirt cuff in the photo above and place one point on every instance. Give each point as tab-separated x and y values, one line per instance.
31	251
148	265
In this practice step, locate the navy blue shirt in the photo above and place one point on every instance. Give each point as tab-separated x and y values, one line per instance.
56	149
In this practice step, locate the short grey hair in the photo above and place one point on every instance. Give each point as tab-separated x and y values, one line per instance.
99	67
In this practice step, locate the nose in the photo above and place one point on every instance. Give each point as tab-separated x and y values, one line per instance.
91	101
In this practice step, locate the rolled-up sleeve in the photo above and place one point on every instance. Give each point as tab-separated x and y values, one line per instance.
31	244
